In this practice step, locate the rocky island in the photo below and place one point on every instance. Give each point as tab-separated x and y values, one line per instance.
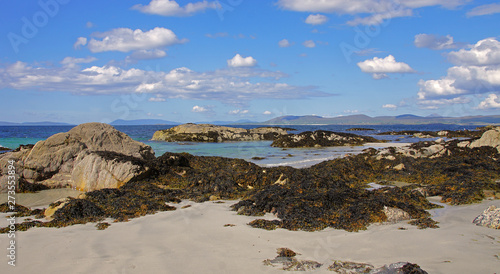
212	133
321	138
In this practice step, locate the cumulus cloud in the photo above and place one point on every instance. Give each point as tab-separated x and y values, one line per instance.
125	40
435	42
379	67
172	8
309	44
81	41
484	10
284	43
436	103
491	102
484	52
375	10
477	71
201	109
316	19
234	86
240	61
267	112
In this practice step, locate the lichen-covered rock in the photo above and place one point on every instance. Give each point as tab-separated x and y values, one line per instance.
52	162
395	215
212	133
489	218
321	138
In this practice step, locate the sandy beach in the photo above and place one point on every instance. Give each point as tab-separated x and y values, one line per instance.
196	240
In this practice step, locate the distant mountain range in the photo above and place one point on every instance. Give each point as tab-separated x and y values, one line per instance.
406	119
360	119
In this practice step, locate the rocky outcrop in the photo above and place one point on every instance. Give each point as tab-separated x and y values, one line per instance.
88	157
489	138
211	133
321	138
440	148
489	218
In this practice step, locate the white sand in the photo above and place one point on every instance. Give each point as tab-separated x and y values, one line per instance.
194	240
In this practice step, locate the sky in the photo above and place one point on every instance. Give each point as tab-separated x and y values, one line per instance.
191	61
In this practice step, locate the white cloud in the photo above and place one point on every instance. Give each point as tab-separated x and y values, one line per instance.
240	61
267	112
147	54
71	61
379	67
81	41
238	111
484	52
435	42
491	102
201	109
477	71
172	8
484	10
284	43
125	40
157	98
309	44
375	10
90	25
316	19
235	86
390	106
436	103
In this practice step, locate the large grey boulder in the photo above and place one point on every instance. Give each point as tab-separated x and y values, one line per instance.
212	133
88	157
489	138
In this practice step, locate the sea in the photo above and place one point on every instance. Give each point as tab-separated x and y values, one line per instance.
258	152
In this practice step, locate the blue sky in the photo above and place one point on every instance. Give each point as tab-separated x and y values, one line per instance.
80	61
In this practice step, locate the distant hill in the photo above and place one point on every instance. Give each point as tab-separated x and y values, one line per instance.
406	119
142	122
47	123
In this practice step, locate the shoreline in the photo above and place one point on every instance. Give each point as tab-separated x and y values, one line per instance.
196	240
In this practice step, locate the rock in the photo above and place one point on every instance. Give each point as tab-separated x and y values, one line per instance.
395	215
489	218
286	258
98	170
49	211
399	167
489	138
89	156
399	268
212	133
346	267
321	138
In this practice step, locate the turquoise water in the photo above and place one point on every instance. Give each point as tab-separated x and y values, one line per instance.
13	136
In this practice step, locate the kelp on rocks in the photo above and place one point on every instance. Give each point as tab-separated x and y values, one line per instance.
329	194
